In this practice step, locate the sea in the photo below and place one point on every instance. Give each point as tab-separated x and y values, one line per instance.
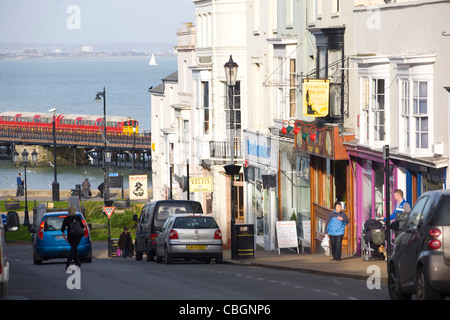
70	84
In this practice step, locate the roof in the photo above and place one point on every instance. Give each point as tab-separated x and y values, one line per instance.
173	78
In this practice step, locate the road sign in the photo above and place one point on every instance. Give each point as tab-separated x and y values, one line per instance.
109	211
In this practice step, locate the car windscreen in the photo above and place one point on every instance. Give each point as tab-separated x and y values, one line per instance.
164	211
54	223
195	223
442	218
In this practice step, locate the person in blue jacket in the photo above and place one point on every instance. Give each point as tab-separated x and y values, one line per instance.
336	222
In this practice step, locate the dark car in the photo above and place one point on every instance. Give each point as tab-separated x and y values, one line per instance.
153	216
420	262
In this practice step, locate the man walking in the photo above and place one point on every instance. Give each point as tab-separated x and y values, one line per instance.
19	191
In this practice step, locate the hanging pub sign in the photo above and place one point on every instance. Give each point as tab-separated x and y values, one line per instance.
316	94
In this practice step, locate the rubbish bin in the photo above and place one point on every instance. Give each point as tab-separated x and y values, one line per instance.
114	246
245	241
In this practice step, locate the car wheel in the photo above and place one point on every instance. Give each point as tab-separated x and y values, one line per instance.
138	255
150	255
167	257
423	289
36	260
394	289
159	259
219	259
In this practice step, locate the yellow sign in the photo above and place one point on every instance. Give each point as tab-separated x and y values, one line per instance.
200	184
316	97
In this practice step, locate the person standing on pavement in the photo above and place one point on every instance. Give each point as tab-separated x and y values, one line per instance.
401	206
19	191
74	234
336	222
86	188
125	243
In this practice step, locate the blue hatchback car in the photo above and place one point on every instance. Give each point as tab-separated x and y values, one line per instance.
49	242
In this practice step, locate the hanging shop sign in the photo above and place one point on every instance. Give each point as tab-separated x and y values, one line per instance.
200	184
316	95
324	142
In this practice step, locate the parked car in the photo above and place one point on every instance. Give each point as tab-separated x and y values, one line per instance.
49	242
189	237
153	216
11	225
420	262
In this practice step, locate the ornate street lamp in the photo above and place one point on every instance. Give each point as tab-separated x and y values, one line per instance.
55	184
107	154
24	162
231	169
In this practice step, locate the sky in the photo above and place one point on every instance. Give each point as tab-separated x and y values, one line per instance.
93	21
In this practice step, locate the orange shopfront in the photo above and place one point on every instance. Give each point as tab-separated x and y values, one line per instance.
331	179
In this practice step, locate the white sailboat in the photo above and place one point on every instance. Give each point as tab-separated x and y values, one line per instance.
152	61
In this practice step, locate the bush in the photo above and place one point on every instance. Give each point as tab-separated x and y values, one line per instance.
122	220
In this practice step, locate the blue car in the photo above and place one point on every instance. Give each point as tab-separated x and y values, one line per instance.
49	242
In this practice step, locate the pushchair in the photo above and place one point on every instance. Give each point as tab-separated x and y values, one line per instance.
373	238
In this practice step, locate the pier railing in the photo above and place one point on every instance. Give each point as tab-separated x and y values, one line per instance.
74	138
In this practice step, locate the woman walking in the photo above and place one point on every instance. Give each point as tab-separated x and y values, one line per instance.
336	222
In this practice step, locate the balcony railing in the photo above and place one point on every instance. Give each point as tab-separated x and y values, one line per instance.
222	150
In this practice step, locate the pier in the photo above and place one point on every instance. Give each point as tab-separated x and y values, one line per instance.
92	142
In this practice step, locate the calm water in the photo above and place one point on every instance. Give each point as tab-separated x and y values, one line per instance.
70	85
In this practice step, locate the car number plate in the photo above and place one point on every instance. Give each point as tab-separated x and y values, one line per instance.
196	247
59	237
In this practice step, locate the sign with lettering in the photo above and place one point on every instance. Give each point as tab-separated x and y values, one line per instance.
287	234
138	187
200	184
316	94
109	211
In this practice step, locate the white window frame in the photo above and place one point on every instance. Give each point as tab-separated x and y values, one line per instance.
420	71
369	74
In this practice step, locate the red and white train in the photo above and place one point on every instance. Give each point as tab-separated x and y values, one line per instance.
68	122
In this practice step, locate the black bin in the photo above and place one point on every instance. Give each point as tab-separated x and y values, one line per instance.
76	193
114	246
245	241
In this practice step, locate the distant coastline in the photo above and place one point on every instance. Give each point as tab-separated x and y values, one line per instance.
48	51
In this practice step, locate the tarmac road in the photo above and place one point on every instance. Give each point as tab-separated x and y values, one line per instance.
116	278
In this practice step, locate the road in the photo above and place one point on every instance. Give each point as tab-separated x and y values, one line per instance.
118	278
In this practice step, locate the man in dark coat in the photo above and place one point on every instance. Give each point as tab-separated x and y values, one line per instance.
126	243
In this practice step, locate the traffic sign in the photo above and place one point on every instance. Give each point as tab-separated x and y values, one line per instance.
109	211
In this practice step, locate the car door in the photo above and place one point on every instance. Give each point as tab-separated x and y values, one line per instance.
410	240
161	239
142	229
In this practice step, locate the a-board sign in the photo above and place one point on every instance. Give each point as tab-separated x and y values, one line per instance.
109	211
287	234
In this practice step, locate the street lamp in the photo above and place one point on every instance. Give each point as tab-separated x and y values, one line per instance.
25	163
55	184
107	154
231	169
134	143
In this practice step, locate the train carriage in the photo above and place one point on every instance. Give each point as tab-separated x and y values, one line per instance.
68	122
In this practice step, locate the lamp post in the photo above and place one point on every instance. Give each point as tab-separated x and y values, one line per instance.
231	169
106	153
134	143
55	184
24	161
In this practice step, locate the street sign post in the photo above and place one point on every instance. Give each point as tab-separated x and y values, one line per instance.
109	211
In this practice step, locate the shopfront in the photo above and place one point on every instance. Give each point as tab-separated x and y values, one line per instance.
331	179
261	187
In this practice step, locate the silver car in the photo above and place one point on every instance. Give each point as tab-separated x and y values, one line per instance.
189	236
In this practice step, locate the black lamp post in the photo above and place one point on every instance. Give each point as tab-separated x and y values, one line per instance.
134	143
107	154
55	184
232	169
24	161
